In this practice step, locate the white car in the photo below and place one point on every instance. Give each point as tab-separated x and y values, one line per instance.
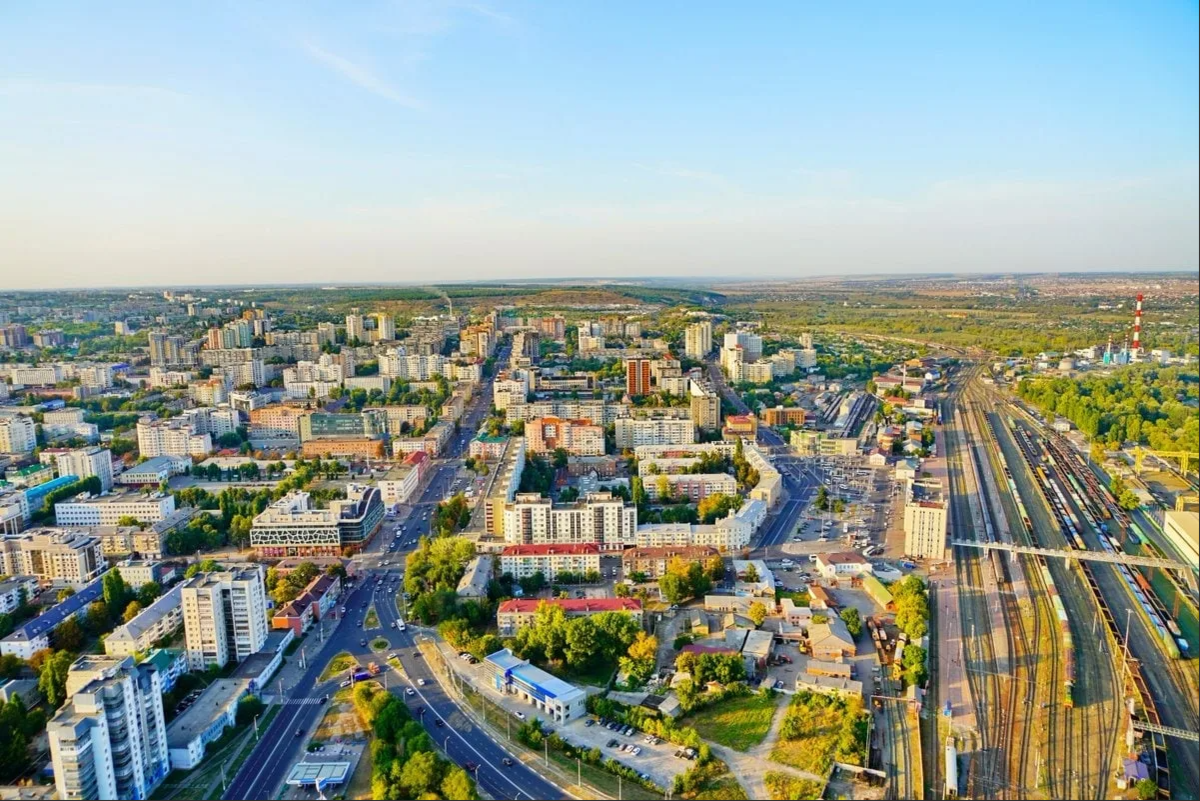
421	682
787	562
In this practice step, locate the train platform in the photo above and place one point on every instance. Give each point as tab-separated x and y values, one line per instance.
953	686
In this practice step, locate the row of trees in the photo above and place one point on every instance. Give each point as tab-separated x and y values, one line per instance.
683	579
912	606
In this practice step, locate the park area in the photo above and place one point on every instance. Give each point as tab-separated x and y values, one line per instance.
819	730
738	723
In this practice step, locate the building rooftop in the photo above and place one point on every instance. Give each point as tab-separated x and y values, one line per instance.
46	621
563	549
149	617
200	715
842	558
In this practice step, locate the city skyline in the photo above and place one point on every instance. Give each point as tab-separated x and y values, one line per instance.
474	142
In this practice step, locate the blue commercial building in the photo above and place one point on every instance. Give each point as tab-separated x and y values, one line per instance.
559	700
34	496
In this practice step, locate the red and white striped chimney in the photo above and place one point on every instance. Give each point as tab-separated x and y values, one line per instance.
1137	329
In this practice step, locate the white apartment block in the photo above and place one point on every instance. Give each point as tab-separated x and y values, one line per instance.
214	422
11	590
44	375
394	490
224	616
522	561
171	438
599	518
293	522
87	462
107	510
53	555
109	739
70	416
162	378
18	434
635	432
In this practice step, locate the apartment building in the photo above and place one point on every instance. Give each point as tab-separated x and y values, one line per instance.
550	560
517	613
109	739
637	377
577	437
634	432
784	416
18	434
925	517
698	340
224	616
85	462
12	589
693	486
214	422
107	510
705	406
652	561
599	517
277	422
158	620
173	437
53	555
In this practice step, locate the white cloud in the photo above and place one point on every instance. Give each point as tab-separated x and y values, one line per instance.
360	76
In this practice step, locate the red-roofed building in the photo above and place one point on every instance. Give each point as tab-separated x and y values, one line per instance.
550	560
740	425
312	604
419	460
514	614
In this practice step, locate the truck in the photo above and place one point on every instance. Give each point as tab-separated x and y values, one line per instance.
361	675
373	668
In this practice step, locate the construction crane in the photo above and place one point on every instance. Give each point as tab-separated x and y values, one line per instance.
1186	502
1185	458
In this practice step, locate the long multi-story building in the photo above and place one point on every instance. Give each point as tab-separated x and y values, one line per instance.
173	437
293	527
637	377
578	437
632	432
224	616
697	340
85	462
109	739
276	422
158	620
522	561
107	510
214	422
784	416
517	613
925	517
694	487
53	555
600	517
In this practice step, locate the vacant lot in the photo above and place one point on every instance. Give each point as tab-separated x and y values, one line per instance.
739	723
341	720
819	729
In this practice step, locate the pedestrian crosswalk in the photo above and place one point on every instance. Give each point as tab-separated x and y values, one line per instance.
294	701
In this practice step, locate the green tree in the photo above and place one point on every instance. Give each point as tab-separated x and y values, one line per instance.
69	635
65	593
422	773
757	613
751	574
132	610
913	663
850	616
52	681
457	786
148	593
674	588
1146	789
248	708
116	591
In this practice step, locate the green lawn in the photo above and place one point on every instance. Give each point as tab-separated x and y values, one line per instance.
339	664
371	621
380	644
738	723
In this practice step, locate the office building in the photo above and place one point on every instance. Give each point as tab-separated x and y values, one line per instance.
86	462
109	740
107	510
784	416
577	437
522	561
599	517
224	616
924	520
554	698
174	437
637	377
18	434
293	527
697	340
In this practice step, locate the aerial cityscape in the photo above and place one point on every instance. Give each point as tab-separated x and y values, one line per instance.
425	399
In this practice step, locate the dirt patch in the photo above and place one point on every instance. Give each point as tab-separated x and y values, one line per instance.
341	720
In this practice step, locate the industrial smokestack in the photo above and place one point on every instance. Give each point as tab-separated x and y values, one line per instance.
1136	351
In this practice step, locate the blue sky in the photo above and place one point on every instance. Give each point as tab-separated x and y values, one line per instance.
268	142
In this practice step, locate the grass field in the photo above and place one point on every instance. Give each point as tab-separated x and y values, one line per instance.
820	729
371	621
784	787
339	664
738	723
380	644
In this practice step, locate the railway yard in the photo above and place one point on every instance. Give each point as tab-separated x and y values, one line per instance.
1072	659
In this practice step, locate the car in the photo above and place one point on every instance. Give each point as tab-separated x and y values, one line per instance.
362	643
409	691
589	722
439	723
507	762
416	653
324	699
471	766
635	749
392	655
346	683
421	682
624	747
299	732
520	716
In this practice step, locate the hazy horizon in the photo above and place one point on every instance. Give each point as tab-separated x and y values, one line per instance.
218	145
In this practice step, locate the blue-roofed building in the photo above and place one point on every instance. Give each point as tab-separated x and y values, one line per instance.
34	496
33	636
559	700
